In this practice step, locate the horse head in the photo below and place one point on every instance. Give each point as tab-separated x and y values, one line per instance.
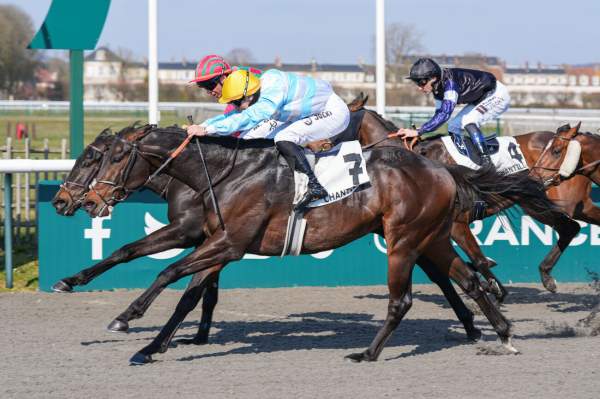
73	189
120	173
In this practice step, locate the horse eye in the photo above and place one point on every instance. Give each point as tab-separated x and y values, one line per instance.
556	151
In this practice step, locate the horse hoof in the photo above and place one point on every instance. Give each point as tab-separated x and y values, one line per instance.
359	357
118	326
62	286
496	290
473	333
550	284
140	359
507	344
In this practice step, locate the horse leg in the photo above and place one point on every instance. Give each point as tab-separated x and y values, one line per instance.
462	312
465	240
165	238
442	253
589	213
209	302
216	250
566	228
400	266
187	303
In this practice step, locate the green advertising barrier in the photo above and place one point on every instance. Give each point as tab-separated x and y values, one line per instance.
69	244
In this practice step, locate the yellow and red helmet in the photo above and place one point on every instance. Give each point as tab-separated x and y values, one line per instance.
239	84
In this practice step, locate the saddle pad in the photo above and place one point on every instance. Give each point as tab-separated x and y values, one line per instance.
508	160
341	170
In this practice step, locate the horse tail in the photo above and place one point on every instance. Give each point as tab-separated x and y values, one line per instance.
486	184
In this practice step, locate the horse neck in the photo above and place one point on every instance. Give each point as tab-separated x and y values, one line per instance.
533	144
219	156
159	183
373	129
590	152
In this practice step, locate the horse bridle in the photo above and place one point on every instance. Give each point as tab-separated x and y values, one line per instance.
555	179
119	186
85	185
135	151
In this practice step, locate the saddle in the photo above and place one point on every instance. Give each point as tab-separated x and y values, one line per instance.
465	146
349	134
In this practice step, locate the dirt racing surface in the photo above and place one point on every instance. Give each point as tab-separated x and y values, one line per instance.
291	343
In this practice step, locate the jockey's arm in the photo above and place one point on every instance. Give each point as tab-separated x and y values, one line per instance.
272	95
443	110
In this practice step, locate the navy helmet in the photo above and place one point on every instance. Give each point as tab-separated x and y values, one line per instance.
424	68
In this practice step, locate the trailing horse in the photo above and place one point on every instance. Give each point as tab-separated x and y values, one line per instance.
411	200
376	129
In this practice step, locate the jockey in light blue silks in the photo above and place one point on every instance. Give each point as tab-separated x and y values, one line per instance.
291	109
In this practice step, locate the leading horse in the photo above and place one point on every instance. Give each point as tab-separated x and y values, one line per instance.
185	212
411	201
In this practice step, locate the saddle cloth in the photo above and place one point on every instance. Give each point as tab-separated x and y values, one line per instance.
342	171
505	153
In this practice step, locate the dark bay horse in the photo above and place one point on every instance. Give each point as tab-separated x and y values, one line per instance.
375	129
185	211
411	201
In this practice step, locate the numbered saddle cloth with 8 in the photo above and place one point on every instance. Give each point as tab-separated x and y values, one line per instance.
508	158
341	170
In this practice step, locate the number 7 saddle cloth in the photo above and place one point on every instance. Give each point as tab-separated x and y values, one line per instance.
342	171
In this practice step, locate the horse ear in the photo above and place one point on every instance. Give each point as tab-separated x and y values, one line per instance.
358	103
140	133
563	129
574	130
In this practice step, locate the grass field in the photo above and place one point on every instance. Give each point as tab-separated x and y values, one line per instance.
25	269
55	126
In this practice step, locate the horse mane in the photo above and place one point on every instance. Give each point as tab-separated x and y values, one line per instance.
135	126
359	103
389	125
222	141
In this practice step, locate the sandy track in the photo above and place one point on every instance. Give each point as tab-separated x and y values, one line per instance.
280	343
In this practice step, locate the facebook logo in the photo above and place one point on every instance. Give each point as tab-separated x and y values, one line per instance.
97	233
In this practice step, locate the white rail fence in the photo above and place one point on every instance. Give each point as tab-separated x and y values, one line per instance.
16	167
23	209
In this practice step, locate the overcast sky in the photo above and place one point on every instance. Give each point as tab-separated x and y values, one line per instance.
342	31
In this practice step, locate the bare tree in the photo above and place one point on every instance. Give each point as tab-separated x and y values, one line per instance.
239	56
401	42
17	63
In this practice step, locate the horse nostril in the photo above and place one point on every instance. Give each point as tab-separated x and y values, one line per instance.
89	205
59	204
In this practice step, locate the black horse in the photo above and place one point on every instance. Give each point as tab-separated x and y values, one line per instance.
412	201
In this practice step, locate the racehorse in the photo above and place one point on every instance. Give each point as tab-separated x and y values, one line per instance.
568	161
376	129
185	212
411	201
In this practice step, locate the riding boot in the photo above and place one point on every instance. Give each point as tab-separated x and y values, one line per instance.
294	155
479	141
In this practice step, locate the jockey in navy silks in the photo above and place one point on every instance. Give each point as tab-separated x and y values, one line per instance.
484	96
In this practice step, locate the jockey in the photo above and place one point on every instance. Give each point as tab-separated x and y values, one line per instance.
293	110
486	99
211	71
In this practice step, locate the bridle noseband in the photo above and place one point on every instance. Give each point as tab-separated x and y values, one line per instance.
119	191
85	185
